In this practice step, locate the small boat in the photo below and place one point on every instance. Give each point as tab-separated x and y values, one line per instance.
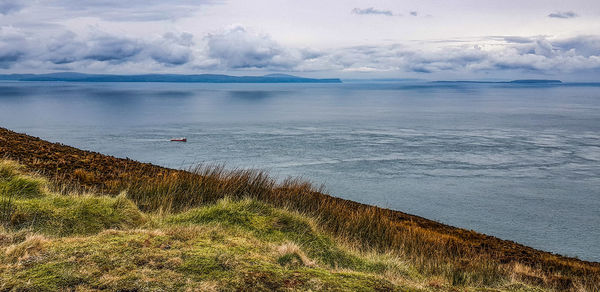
182	139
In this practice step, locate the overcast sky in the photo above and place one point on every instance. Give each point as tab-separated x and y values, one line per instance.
469	39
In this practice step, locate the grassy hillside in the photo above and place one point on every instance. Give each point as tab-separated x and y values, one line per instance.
51	241
390	249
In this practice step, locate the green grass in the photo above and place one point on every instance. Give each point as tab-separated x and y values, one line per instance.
170	259
60	242
25	203
278	226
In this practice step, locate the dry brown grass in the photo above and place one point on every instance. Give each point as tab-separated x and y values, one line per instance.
32	246
291	249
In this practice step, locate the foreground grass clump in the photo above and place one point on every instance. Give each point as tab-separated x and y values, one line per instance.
281	227
26	203
179	258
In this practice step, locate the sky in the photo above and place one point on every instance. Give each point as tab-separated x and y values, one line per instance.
434	40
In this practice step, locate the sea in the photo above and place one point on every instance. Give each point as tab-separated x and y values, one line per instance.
516	161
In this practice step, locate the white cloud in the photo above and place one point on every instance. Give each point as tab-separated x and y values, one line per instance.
542	56
173	49
372	11
238	48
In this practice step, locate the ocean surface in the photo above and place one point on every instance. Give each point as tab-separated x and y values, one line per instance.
517	161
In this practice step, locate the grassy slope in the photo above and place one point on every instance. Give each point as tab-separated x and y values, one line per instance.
52	241
431	252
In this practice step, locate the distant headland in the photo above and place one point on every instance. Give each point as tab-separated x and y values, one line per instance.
180	78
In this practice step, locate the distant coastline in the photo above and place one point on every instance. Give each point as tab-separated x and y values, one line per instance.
175	78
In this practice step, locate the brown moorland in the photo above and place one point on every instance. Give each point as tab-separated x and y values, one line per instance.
462	256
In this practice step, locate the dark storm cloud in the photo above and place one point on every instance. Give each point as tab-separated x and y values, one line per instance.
371	11
563	14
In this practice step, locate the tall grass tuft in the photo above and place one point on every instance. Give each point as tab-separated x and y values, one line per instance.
202	184
7	209
11	186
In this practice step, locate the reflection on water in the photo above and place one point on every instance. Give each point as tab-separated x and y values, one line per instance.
252	95
518	162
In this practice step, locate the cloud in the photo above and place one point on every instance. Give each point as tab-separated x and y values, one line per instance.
173	49
237	48
113	10
586	46
64	49
97	50
539	55
113	49
68	47
13	47
372	11
563	14
9	6
9	56
515	39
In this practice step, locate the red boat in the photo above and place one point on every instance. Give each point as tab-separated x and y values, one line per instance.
183	139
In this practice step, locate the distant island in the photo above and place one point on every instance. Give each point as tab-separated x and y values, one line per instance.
181	78
543	81
519	81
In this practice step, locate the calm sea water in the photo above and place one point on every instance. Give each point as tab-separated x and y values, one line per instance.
521	162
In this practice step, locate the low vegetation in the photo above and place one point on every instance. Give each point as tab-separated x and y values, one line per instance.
286	235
